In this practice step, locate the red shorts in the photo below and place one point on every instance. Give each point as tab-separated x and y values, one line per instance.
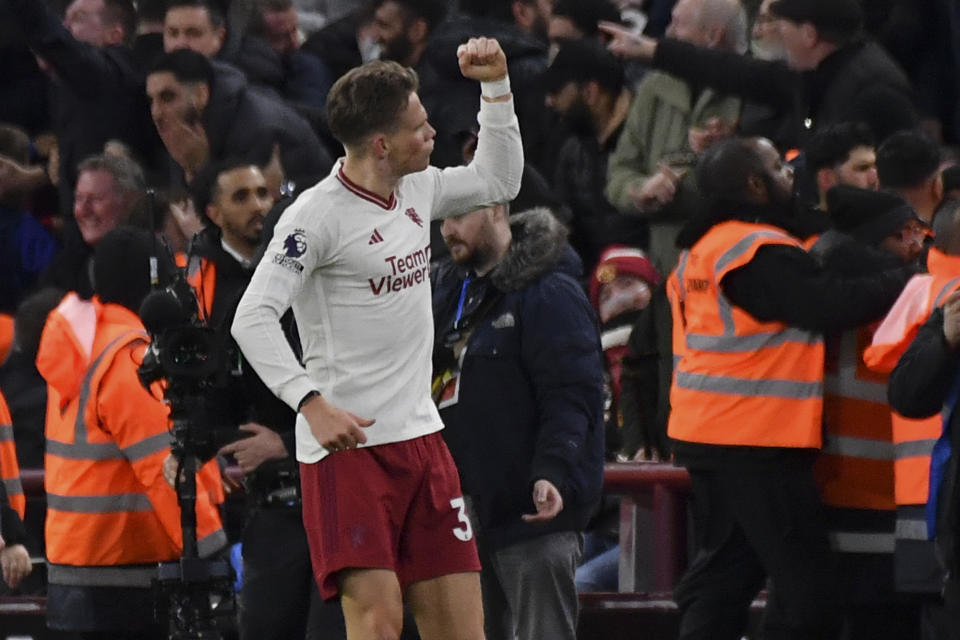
394	506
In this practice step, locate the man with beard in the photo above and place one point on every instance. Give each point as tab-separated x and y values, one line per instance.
403	26
514	324
747	397
585	86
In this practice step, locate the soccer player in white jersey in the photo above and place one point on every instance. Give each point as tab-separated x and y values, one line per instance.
383	509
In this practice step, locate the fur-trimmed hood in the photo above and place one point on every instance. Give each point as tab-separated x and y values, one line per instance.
539	245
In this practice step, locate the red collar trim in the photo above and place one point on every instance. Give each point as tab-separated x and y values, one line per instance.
367	195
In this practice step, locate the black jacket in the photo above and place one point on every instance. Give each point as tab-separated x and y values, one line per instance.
451	100
858	82
786	284
246	398
531	385
579	181
240	120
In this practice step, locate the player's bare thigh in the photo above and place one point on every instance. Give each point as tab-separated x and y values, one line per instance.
447	607
372	603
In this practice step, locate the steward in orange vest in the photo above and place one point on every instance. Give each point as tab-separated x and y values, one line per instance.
855	470
747	398
917	568
925	383
111	516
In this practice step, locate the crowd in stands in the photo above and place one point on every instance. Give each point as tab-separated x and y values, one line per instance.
193	125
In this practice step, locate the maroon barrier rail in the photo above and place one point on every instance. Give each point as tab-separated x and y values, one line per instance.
653	494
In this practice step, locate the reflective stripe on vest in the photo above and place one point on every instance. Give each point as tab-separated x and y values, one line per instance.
739	379
855	467
112	576
211	543
749	387
853	542
109	450
9	467
911	529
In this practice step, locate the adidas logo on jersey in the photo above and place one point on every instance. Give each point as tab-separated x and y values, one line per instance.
375	237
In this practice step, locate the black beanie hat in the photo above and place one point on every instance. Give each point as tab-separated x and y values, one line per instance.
868	216
842	16
121	266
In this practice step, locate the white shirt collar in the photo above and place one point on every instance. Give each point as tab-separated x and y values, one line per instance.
244	262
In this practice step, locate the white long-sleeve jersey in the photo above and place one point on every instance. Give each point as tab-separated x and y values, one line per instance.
354	267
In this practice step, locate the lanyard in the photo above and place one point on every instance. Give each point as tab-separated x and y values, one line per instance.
463	296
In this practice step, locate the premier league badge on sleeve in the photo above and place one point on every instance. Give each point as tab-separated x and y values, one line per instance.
294	246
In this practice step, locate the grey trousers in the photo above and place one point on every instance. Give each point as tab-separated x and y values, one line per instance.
528	588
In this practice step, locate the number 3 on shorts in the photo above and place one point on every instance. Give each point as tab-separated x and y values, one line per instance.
466	533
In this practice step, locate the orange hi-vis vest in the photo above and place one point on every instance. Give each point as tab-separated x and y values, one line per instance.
111	516
855	467
913	440
6	335
202	276
740	381
9	469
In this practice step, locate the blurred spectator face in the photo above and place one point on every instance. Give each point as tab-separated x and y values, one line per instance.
778	176
470	237
241	203
97	207
798	41
766	43
686	24
563	100
570	104
191	28
906	243
860	169
174	104
562	29
534	16
623	294
84	20
280	30
390	26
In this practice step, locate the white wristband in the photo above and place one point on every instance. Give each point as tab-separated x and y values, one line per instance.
495	89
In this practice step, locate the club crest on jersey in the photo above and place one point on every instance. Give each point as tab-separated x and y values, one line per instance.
413	215
295	244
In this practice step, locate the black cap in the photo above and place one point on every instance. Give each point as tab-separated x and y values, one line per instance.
841	16
868	216
121	266
581	61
